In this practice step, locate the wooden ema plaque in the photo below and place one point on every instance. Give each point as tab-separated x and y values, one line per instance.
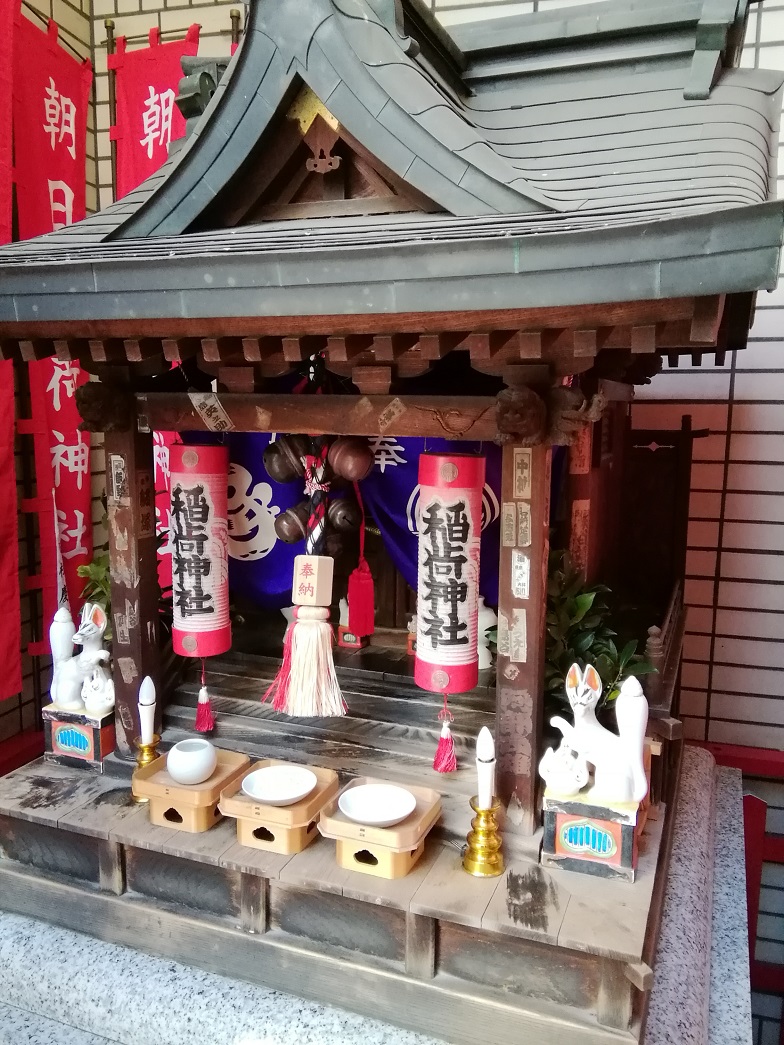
191	808
278	829
386	852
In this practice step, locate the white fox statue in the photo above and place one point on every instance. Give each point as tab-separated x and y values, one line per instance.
80	681
617	758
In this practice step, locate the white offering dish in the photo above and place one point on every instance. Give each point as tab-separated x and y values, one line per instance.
279	785
377	805
191	761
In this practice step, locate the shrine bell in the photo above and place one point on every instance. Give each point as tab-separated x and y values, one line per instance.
450	526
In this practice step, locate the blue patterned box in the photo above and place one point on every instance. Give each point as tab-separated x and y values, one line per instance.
75	738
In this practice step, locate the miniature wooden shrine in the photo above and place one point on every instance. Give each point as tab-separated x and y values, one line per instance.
472	239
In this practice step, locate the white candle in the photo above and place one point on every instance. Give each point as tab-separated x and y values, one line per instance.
147	710
485	768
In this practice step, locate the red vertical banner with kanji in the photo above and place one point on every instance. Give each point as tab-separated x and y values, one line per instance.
161	443
10	617
51	94
147	119
62	471
6	85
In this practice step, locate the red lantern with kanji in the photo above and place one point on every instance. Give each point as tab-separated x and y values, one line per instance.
200	558
450	525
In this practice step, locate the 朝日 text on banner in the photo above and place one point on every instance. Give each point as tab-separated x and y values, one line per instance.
51	92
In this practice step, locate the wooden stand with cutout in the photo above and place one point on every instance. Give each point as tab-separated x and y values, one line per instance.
386	852
195	808
278	829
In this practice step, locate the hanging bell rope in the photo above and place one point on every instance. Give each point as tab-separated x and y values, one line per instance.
306	685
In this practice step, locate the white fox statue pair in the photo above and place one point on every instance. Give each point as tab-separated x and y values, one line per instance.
81	681
617	759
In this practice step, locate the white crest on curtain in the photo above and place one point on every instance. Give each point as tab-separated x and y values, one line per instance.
251	516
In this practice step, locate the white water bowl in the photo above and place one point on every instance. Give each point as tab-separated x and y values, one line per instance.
279	785
377	805
191	761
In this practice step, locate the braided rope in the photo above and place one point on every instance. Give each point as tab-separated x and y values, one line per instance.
316	488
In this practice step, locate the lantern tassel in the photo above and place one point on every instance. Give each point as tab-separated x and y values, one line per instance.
361	591
445	760
205	719
306	685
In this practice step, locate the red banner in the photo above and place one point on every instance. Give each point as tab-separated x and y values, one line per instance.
51	93
161	444
6	81
62	470
10	619
147	118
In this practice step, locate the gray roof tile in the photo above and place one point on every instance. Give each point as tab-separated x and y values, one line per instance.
564	126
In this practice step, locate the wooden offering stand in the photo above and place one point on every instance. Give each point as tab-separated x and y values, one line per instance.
386	852
192	808
278	829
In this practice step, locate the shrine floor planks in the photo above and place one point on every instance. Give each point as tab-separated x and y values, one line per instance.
551	906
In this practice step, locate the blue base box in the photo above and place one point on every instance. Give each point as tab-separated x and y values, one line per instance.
75	738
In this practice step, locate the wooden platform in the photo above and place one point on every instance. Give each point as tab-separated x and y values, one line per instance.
391	729
551	955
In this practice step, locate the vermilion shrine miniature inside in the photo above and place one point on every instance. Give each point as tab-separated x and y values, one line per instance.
359	205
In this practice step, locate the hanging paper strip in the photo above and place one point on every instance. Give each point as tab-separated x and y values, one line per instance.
10	619
51	93
6	82
62	472
147	118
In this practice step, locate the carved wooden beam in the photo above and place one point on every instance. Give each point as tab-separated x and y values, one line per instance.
104	408
612	314
372	380
344	349
176	350
643	339
388	347
296	349
436	346
451	417
707	317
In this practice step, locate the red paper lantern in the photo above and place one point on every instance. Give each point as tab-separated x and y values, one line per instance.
200	556
450	526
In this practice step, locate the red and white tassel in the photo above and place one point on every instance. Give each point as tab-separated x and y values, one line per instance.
205	720
306	685
445	760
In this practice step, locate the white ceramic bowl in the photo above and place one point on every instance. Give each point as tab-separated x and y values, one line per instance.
279	785
191	761
377	805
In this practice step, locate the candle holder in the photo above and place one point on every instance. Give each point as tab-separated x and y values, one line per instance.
483	857
147	753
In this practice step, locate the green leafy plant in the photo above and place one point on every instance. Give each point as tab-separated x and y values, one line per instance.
98	586
580	630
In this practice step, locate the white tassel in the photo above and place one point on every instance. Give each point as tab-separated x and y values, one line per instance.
310	687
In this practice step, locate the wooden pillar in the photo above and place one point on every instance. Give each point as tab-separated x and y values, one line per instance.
522	592
130	495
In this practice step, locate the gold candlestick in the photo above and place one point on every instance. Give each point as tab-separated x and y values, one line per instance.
147	753
483	857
